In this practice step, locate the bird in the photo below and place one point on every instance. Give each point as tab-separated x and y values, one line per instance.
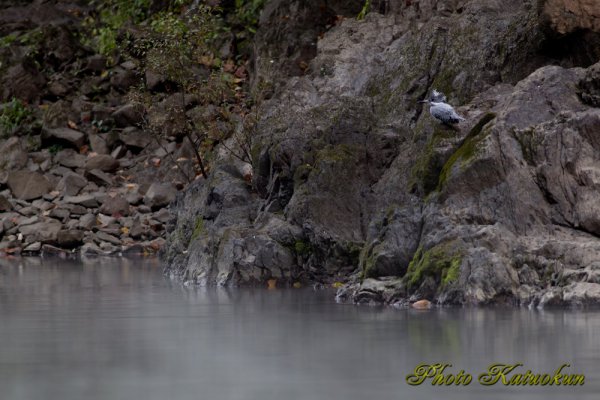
441	110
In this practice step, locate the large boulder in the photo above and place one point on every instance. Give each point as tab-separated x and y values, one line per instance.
360	184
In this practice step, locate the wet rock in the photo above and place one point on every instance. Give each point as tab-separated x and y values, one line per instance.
27	185
102	162
63	136
115	206
135	250
69	239
421	305
49	250
160	195
34	247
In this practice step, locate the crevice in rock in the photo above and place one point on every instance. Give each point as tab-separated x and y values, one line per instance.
580	48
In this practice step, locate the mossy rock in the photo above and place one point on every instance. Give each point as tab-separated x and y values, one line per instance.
441	262
467	150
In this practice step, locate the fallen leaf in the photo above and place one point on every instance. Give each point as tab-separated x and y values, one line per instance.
297	285
72	124
272	284
337	285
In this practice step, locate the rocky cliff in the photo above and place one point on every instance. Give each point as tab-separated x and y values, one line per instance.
354	182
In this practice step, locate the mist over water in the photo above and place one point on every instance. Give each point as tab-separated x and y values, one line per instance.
118	329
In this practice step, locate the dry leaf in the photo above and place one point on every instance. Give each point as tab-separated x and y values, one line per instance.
71	124
272	284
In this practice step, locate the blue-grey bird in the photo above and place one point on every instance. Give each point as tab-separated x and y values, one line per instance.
441	110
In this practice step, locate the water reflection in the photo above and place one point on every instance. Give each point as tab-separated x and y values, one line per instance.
116	329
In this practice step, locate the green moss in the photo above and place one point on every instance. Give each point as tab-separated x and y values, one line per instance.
335	154
198	228
367	261
467	149
301	174
12	115
441	262
427	167
302	248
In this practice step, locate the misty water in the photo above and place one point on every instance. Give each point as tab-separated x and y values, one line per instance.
118	329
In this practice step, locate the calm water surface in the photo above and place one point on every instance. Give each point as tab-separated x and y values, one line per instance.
117	329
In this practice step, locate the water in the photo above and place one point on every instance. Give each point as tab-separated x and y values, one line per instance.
117	329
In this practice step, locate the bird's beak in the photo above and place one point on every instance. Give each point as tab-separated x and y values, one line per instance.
424	101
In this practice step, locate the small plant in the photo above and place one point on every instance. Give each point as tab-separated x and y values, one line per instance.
54	149
12	115
365	10
113	15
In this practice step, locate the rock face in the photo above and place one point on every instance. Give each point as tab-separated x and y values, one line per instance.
570	15
353	182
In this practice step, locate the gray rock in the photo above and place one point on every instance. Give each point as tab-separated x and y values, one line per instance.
63	136
128	115
105	220
154	80
98	144
116	205
367	187
70	158
27	185
60	213
5	204
87	221
98	177
163	215
122	79
102	162
105	237
34	247
160	195
12	154
136	140
85	200
45	231
133	198
96	63
71	184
